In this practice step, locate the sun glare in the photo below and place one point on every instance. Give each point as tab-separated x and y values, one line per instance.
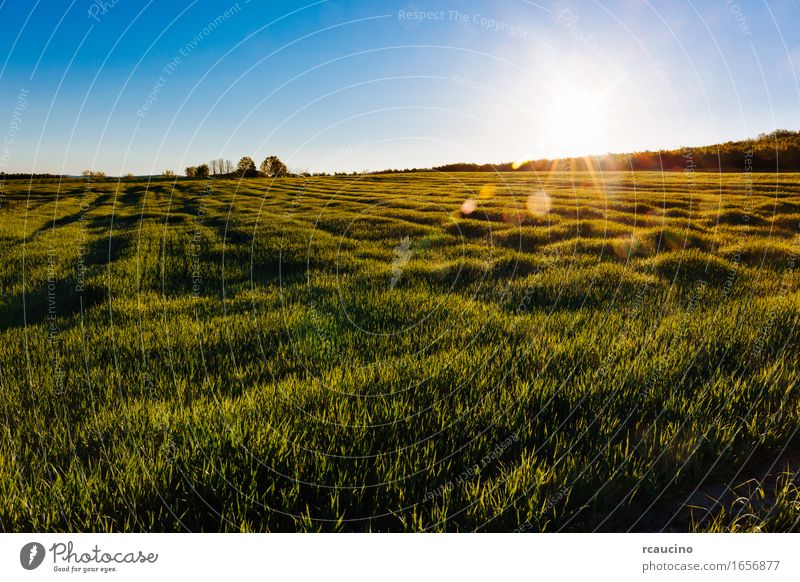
576	115
575	118
572	124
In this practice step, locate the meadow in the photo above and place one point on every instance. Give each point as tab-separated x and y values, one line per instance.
563	351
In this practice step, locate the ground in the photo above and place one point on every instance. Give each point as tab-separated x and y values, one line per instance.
403	352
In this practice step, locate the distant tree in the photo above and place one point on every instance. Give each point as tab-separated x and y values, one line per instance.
272	167
246	167
93	174
168	174
191	171
218	166
201	171
228	167
129	176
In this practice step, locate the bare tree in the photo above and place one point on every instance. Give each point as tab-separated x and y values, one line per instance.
228	167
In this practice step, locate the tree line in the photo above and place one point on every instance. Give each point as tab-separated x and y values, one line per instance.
271	167
778	151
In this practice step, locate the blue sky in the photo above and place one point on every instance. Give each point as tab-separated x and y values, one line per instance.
143	86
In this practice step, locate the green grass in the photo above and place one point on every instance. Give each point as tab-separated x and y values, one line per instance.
357	354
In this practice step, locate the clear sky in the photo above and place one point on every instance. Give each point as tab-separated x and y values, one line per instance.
142	86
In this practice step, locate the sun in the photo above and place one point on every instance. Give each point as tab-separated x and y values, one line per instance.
575	118
572	123
575	111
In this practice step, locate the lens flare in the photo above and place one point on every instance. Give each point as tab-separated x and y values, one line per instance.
514	217
468	206
538	203
625	247
486	191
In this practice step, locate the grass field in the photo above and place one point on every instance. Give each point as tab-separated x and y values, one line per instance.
561	352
